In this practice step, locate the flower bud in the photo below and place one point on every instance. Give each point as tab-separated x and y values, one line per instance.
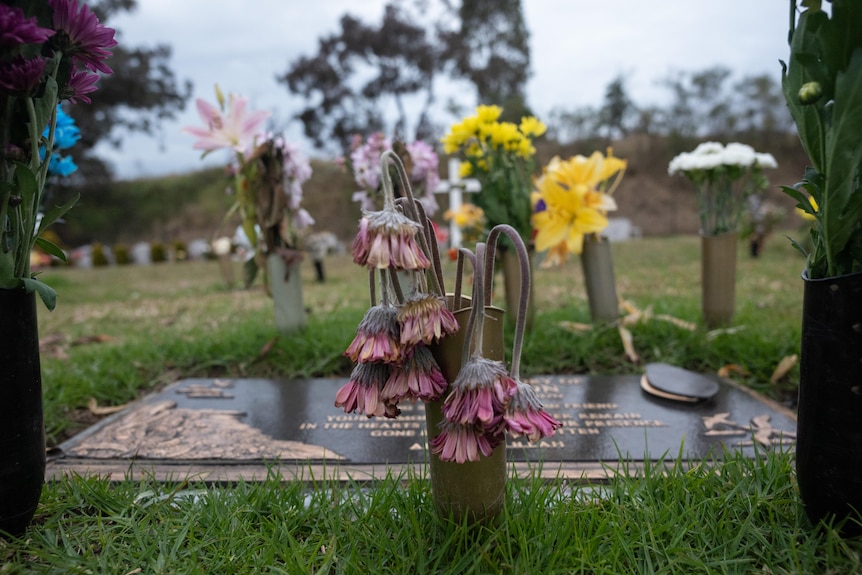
810	92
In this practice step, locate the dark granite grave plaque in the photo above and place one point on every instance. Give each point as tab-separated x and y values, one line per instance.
199	425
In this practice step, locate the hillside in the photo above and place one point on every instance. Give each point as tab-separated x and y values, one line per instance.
188	206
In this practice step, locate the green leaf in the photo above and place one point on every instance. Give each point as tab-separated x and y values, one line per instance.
57	212
249	272
805	66
51	248
842	205
46	292
28	186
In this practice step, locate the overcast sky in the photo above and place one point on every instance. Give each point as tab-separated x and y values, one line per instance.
577	48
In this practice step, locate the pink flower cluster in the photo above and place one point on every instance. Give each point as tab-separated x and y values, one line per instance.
365	164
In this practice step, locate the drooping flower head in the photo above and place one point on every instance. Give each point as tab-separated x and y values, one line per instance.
387	239
81	35
479	395
361	394
424	318
418	377
377	337
463	443
526	416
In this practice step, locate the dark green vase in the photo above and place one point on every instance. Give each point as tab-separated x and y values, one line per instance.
22	433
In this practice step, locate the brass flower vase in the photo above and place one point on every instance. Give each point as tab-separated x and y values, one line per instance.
22	434
718	278
475	489
829	419
598	267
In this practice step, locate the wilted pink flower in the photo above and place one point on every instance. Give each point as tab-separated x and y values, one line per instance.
480	394
361	394
387	239
462	443
21	75
17	29
418	377
424	318
525	415
235	129
81	35
377	337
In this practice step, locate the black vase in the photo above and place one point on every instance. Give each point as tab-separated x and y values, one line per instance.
22	433
829	420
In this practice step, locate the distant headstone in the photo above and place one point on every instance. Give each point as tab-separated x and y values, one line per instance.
198	249
455	187
211	426
620	229
142	254
83	257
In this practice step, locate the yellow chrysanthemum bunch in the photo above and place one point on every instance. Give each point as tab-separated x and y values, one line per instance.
499	155
571	199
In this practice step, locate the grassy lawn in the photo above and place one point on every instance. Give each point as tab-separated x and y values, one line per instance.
119	333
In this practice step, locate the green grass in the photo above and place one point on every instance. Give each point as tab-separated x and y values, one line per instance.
119	333
739	516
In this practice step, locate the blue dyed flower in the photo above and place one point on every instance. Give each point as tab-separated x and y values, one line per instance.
66	135
61	165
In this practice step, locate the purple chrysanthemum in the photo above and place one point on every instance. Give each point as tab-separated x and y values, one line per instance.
462	443
21	75
361	393
424	318
419	377
376	337
525	415
17	29
81	35
80	84
387	239
480	394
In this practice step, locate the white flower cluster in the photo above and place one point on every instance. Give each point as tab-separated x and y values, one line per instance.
711	155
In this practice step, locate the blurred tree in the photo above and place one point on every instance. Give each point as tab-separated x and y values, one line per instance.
361	68
490	48
402	57
617	110
761	110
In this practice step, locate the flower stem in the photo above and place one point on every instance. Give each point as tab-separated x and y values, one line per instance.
474	333
524	291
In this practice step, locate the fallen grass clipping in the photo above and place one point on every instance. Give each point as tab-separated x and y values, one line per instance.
737	515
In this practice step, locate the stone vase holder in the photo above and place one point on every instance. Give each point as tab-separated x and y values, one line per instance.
598	267
718	278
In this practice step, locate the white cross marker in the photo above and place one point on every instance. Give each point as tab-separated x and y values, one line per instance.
455	187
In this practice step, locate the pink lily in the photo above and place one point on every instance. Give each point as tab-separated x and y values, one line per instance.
236	129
